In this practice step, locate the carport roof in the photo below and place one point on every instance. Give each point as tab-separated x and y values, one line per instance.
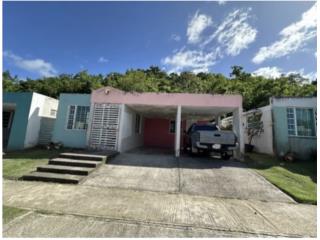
113	95
186	112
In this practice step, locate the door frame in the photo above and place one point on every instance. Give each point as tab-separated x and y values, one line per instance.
7	132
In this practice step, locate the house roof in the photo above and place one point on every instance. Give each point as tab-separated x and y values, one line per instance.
113	95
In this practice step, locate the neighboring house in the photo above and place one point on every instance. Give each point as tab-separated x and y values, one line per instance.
289	125
294	125
122	121
28	119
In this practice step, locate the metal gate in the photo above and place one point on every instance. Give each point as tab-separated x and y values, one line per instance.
105	127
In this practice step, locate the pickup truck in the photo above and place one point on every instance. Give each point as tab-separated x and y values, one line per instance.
208	138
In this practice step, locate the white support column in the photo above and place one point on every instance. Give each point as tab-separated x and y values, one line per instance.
178	132
238	129
218	120
88	131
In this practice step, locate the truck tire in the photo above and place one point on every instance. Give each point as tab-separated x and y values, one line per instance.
225	156
194	151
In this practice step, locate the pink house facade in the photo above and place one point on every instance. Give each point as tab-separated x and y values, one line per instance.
126	120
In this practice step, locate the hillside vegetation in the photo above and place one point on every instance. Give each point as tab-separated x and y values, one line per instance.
255	90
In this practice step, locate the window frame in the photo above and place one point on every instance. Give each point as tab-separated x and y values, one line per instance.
74	118
295	122
52	110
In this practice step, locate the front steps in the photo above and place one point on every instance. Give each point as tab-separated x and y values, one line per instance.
68	168
65	169
75	162
53	177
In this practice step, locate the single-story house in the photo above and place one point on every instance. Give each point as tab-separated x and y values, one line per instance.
109	118
28	119
295	125
289	125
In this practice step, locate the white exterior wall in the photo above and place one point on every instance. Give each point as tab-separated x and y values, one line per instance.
40	107
264	142
128	139
49	104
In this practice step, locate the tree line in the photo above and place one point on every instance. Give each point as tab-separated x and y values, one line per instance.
256	90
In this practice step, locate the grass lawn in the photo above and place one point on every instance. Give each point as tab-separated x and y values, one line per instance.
16	164
10	213
297	179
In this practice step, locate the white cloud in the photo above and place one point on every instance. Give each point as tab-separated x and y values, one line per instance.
196	26
222	2
191	60
275	72
39	66
234	33
103	60
175	37
293	37
268	72
310	76
232	36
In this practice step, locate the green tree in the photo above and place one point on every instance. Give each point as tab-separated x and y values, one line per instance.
255	90
9	83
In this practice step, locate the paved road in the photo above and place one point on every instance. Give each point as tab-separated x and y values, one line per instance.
36	225
102	211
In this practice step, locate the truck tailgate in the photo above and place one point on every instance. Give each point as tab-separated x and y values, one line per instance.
217	137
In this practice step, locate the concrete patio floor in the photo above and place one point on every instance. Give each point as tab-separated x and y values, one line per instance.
101	211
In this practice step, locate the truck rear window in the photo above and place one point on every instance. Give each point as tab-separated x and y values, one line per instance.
205	128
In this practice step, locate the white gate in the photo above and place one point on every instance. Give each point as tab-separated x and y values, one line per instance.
105	126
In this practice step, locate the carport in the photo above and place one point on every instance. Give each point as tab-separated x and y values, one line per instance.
129	111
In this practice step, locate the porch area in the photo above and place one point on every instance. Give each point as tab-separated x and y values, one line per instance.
165	127
123	121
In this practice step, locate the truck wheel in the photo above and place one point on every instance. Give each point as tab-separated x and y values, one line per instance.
194	151
225	156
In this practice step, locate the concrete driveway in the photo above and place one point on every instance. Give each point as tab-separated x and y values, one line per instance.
143	194
202	176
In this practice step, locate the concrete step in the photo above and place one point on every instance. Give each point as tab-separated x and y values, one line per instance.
74	162
65	169
80	156
53	177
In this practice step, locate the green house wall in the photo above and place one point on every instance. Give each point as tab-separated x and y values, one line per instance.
75	138
283	143
20	119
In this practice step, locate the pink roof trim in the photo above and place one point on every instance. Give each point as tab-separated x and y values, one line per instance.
113	95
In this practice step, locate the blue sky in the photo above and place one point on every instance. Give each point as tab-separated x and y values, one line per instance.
267	38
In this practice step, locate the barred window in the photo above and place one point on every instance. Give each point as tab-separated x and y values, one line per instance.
301	122
53	112
291	122
78	117
71	117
